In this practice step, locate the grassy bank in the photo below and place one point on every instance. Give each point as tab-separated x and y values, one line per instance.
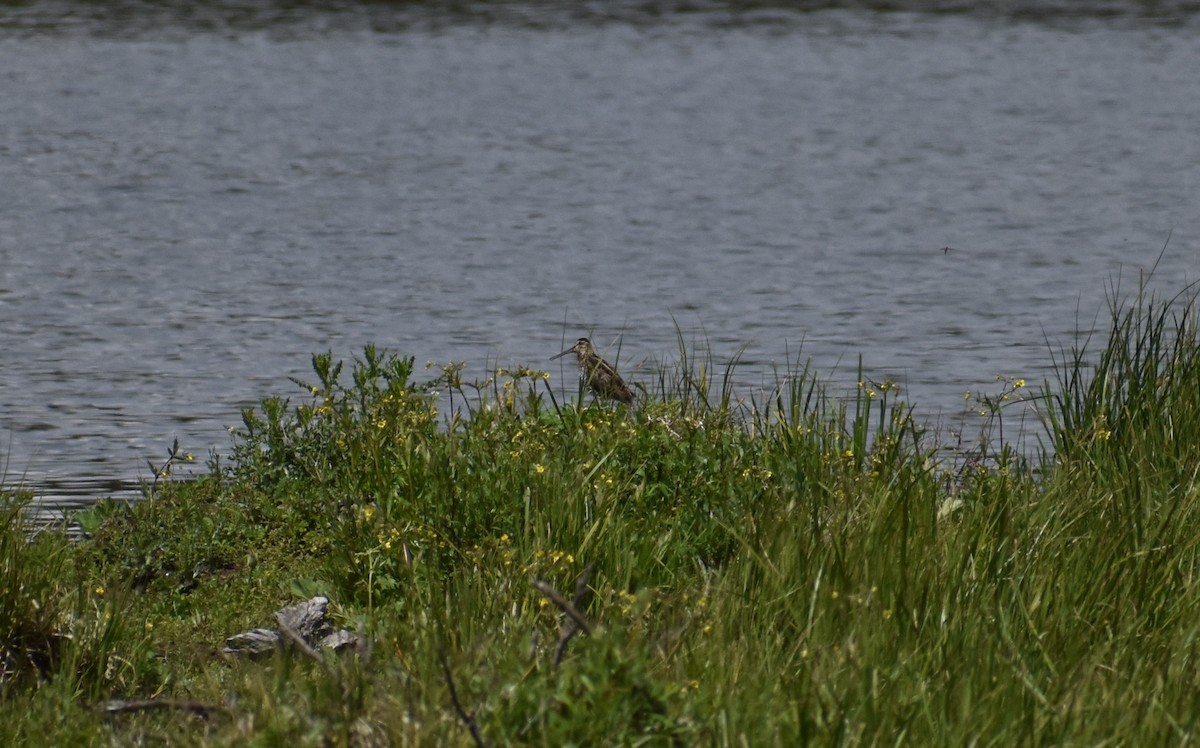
795	570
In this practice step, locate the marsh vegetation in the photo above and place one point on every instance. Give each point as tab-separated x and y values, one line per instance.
794	568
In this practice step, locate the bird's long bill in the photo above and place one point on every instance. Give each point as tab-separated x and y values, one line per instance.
569	350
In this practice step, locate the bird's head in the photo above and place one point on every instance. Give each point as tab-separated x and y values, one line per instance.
582	349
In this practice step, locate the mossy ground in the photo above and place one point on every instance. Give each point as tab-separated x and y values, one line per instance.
797	570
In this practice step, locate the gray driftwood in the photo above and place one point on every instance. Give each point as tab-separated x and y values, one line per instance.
303	625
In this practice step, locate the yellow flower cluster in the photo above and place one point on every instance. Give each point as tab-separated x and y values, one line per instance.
757	471
528	441
626	600
385	540
555	556
522	372
990	405
867	600
874	389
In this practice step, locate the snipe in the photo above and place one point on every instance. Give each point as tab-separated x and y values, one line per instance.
597	374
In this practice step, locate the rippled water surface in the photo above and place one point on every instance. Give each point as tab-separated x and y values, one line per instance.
189	211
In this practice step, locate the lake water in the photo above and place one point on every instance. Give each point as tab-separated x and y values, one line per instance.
194	201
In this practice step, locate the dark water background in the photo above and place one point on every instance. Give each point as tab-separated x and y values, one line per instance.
193	199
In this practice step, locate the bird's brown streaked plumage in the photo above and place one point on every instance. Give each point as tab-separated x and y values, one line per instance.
597	374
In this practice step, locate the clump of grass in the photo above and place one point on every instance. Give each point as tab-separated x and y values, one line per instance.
55	624
31	598
1136	400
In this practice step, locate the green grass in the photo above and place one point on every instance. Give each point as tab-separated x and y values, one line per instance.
797	568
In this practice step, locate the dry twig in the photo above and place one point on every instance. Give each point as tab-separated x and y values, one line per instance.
468	719
198	708
294	636
570	609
